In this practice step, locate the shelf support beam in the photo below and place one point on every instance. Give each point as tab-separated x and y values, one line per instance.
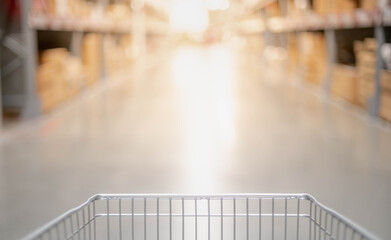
31	106
331	49
374	102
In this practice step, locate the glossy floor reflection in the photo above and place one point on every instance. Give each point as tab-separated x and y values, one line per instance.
211	119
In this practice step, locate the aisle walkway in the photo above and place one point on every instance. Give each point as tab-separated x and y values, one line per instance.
201	120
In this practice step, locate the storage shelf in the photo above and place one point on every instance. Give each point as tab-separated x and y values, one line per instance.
312	21
78	25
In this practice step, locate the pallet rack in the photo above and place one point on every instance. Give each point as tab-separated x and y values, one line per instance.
25	46
378	20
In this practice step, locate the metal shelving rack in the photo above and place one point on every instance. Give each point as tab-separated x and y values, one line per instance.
31	104
26	48
377	19
20	45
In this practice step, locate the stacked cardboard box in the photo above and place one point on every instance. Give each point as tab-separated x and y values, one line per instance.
344	82
385	99
297	8
313	56
324	7
366	63
273	10
340	6
293	54
50	77
368	4
63	8
321	6
82	9
117	53
91	57
365	52
118	12
59	77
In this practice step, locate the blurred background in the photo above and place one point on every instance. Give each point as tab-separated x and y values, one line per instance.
194	96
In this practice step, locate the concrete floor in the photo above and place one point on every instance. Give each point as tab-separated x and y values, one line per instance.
198	120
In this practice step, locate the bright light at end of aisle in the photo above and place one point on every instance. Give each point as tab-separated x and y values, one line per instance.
189	16
217	4
204	77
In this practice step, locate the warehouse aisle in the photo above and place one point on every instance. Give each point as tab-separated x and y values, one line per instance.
212	119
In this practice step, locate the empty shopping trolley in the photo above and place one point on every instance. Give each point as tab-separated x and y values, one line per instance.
174	217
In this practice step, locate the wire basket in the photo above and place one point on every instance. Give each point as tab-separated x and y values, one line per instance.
172	217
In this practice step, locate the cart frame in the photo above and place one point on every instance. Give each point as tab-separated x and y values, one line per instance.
334	225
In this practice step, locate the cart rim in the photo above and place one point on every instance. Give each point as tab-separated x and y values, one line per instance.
304	196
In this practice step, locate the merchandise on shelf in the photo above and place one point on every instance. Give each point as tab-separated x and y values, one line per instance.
298	7
365	53
321	6
62	8
118	12
80	8
59	77
91	57
324	7
293	54
313	56
344	83
75	77
385	99
117	50
368	4
42	7
94	12
273	10
366	63
340	6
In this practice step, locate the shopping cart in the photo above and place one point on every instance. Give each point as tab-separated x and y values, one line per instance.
252	216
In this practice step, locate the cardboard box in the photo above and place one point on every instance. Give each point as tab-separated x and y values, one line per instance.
345	82
50	98
53	55
366	85
75	76
47	74
363	100
367	73
368	4
325	7
91	57
385	100
365	52
370	44
385	113
358	46
58	78
312	56
321	7
340	6
117	53
386	80
366	58
273	10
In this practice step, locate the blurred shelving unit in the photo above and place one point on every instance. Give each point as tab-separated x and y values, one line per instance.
337	44
358	18
47	23
56	49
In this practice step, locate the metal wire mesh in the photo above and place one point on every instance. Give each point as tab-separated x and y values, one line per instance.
145	217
